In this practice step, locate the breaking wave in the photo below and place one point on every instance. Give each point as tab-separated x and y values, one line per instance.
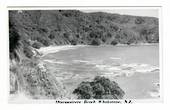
52	61
127	69
84	61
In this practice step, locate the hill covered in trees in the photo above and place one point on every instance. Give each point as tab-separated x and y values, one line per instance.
60	27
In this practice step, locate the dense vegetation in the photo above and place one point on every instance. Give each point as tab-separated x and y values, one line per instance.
33	79
59	27
100	88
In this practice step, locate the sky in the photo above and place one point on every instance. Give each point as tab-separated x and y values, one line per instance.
135	12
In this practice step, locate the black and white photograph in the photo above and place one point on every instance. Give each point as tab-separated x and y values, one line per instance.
87	53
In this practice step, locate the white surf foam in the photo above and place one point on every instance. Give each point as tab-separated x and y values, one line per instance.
154	93
113	68
141	68
102	67
127	69
115	58
84	61
52	61
80	61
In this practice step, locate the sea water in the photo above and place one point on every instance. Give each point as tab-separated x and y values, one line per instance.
134	68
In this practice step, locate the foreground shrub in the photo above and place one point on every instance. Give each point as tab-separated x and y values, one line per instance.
99	88
35	80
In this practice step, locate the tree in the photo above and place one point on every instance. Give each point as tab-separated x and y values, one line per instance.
37	45
14	42
114	42
84	91
28	52
51	36
43	40
96	42
99	88
139	20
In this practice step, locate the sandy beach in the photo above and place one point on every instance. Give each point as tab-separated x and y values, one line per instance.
53	49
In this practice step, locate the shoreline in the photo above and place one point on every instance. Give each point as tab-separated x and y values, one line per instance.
52	49
138	44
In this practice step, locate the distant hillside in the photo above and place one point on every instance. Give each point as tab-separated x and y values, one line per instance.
36	28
